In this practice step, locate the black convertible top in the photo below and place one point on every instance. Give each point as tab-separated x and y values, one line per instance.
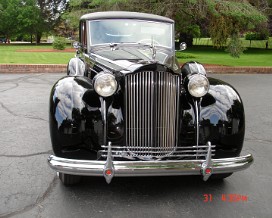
125	15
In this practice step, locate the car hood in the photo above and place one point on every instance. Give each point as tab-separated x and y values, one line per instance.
130	59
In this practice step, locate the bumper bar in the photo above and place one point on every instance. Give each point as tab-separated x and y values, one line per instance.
149	168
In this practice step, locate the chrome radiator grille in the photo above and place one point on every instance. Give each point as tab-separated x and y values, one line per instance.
151	103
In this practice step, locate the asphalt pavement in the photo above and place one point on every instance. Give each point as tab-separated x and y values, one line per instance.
29	188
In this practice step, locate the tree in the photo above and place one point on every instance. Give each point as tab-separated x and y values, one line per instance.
225	19
8	14
50	13
29	16
69	19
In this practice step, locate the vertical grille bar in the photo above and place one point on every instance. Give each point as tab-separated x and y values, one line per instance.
151	113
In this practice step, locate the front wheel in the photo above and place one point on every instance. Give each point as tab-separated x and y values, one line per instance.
69	180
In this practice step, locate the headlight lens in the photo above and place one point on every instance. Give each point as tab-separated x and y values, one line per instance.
198	85
105	84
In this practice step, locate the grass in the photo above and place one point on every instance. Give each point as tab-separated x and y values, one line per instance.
210	55
246	43
10	54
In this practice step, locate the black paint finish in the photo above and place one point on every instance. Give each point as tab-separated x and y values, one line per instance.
221	121
81	121
77	124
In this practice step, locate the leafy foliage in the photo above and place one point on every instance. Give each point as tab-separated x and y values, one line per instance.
241	12
222	18
256	36
29	16
218	19
235	47
220	29
59	43
230	18
9	11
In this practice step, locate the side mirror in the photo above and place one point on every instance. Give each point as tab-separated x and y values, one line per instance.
76	45
182	46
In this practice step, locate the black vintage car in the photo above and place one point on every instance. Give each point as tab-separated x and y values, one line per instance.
126	107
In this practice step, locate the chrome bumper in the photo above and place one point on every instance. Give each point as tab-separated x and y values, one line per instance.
110	168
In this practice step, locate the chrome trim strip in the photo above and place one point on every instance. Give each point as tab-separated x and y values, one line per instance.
160	152
104	111
157	148
148	168
197	124
149	153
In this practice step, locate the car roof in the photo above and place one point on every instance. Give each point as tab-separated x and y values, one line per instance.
125	15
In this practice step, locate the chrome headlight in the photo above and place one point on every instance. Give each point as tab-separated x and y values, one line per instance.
105	84
198	85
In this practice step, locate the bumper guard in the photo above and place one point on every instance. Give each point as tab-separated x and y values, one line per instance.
111	168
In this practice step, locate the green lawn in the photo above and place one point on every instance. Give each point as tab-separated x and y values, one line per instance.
210	55
246	43
11	54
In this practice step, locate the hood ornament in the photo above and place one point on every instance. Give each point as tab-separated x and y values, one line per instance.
153	49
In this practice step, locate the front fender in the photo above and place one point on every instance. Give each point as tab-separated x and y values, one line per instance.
75	111
221	120
76	67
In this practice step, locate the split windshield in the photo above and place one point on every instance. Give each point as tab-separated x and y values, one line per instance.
130	31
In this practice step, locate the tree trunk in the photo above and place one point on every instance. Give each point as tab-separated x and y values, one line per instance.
38	37
7	39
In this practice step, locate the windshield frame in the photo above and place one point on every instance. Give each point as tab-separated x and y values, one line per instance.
171	25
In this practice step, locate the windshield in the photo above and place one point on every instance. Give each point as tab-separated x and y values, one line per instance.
130	31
